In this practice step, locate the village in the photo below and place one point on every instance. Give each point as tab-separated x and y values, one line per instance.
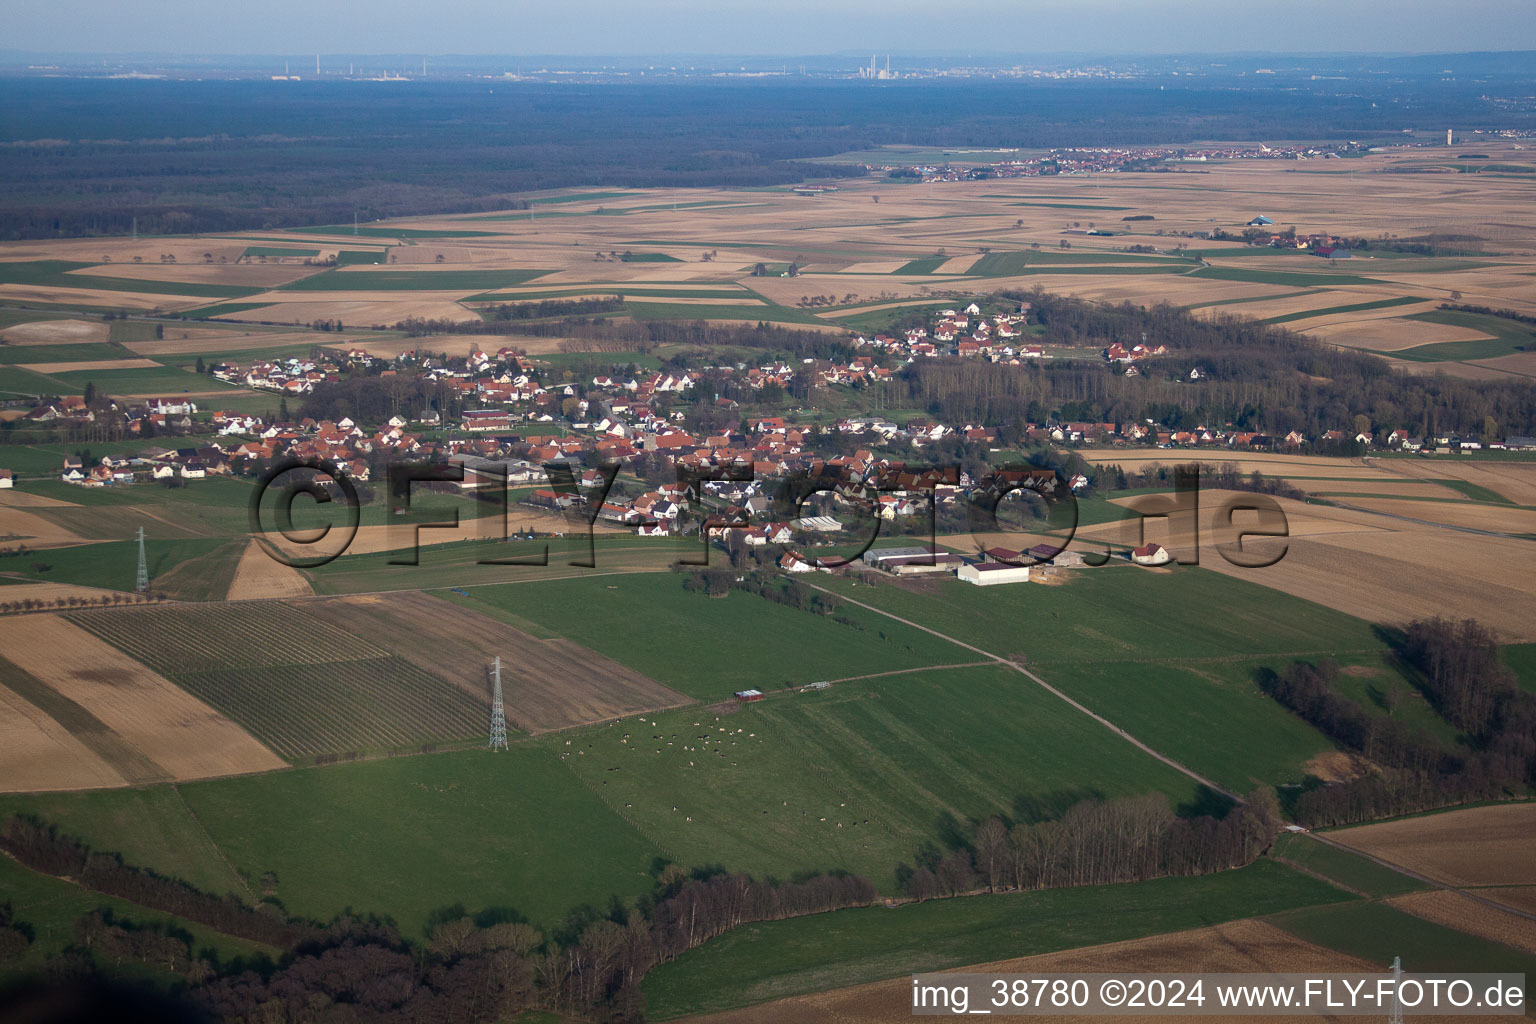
509	409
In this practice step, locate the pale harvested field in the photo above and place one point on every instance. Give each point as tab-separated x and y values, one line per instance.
1261	309
1478	846
875	267
56	332
259	575
724	300
34	530
834	314
37	754
228	339
393	537
1250	946
359	309
1469	370
1302	520
1460	513
1514	480
958	264
1394	577
249	275
94	297
1520	363
1274	464
787	290
844	231
26	499
1362	316
1390	334
222	392
1400	487
91	364
455	344
1521	897
46	593
1454	910
548	684
181	734
121	251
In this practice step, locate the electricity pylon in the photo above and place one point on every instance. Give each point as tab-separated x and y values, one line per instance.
498	713
141	581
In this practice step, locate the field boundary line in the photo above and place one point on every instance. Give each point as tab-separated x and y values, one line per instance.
901	672
211	841
1106	723
1294	866
1445	886
598	796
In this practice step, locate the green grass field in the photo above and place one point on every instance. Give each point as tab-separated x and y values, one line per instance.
373	232
1353	308
112	564
768	311
278	252
148	826
710	647
151	381
1508	337
10	355
923	265
858	775
1209	715
1120	613
14	381
412	280
60	274
407	836
1321	277
1377	932
850	947
1347	869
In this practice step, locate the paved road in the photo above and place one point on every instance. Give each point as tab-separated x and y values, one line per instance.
1106	723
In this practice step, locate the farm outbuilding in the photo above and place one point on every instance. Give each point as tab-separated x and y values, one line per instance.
986	574
918	565
749	696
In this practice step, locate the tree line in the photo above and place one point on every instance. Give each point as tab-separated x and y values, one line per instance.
1259	377
1457	667
1096	842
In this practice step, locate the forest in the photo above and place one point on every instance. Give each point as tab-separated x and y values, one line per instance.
83	157
1456	665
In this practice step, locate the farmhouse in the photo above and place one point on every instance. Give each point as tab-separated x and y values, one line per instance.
1151	554
6	479
985	574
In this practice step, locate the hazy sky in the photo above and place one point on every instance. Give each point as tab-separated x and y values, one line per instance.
766	26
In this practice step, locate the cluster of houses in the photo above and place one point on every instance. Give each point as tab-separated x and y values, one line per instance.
149	465
1324	245
154	413
965	332
1110	159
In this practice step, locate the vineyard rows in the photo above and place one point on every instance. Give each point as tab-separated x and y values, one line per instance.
178	639
335	707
